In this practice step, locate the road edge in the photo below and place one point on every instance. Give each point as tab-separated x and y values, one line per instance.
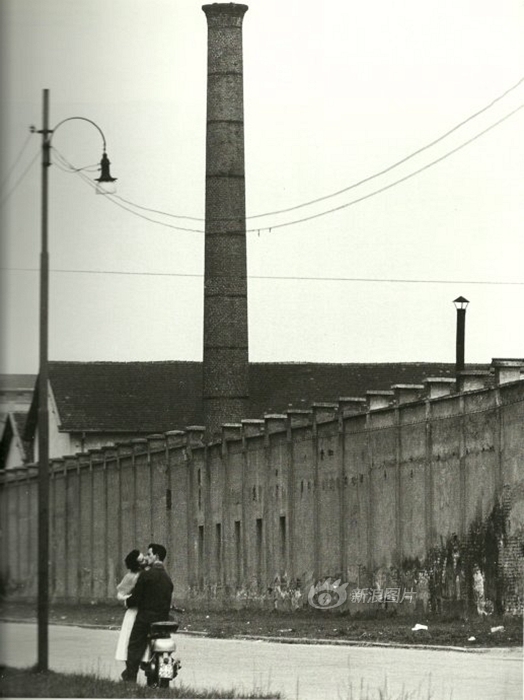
284	640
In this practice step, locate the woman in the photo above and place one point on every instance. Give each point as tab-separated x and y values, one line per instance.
135	562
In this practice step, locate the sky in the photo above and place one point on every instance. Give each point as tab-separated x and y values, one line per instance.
335	93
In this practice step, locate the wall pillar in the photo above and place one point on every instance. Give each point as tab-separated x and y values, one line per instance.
84	533
322	412
17	472
407	393
351	405
378	398
194	439
138	446
95	457
438	386
343	482
371	509
296	418
155	443
398	486
123	450
507	370
274	422
429	500
55	568
462	467
291	491
109	455
250	428
472	380
4	528
232	432
174	439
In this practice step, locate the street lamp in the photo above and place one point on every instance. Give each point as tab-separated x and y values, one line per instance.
460	304
105	179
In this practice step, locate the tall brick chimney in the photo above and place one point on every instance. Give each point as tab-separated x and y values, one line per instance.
226	370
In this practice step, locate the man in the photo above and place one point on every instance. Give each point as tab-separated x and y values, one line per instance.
152	597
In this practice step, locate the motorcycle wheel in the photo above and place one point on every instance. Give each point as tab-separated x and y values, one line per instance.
163	682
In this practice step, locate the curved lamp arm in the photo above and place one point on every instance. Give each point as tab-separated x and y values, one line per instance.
47	135
85	119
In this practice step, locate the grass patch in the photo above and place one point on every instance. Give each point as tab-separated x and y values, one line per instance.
28	683
374	625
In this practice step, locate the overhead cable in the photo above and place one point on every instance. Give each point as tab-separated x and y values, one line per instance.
392	184
16	160
293	278
112	200
14	187
399	162
269	228
355	184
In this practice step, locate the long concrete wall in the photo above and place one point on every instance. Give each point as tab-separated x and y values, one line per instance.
390	497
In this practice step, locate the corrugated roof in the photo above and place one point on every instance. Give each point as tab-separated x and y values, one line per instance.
149	397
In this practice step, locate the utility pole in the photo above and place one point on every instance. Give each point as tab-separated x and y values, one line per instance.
43	414
105	183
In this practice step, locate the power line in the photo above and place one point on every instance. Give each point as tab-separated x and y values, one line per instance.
355	184
399	162
328	211
112	200
13	188
70	169
67	167
392	184
154	221
273	277
158	211
15	162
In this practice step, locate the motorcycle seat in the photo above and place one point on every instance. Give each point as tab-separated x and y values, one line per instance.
163	629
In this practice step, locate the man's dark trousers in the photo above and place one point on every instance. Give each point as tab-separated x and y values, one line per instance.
138	643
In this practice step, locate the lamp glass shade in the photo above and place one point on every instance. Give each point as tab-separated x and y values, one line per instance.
460	303
105	188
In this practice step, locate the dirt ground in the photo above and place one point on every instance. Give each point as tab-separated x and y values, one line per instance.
375	626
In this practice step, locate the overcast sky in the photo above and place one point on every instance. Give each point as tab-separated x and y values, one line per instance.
334	93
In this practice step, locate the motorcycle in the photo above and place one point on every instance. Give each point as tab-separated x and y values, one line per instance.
162	665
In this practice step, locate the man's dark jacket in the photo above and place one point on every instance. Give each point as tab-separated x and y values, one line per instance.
152	594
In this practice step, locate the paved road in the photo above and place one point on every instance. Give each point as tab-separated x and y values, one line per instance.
300	671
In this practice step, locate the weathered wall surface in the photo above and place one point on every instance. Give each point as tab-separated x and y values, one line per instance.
411	496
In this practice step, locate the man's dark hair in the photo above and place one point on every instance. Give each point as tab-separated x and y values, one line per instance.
158	549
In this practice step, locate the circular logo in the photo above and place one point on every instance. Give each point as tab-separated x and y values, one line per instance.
326	595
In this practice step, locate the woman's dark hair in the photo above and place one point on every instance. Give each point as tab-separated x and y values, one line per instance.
132	562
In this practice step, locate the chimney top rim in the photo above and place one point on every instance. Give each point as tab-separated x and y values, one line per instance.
225	8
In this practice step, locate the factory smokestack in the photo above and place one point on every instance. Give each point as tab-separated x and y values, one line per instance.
226	368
